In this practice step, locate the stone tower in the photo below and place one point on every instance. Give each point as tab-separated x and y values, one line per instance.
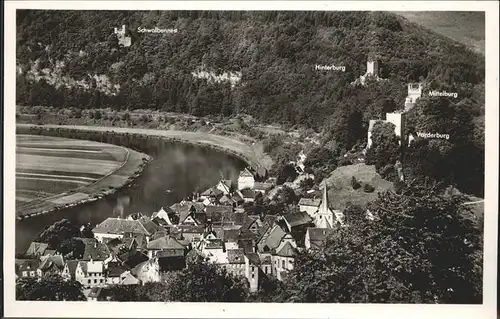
372	68
414	93
398	119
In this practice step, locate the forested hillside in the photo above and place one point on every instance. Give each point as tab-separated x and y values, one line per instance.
73	59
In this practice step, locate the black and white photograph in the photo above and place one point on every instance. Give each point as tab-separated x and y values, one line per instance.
215	154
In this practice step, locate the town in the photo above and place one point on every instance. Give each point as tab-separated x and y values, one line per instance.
138	248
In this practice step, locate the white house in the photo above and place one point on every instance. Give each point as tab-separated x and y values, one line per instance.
284	257
309	205
246	180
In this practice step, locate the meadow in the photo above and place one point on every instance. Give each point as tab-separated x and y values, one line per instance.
52	171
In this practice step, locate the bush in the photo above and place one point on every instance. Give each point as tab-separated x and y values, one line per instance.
368	188
344	162
354	183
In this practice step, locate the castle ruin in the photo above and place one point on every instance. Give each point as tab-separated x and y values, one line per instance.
123	40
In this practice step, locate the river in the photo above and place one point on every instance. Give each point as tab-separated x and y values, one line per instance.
176	171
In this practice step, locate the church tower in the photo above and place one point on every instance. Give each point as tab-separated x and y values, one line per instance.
324	216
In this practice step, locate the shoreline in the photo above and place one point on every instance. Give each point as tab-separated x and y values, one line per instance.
138	163
219	143
224	144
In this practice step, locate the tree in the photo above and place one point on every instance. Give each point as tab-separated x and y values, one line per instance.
203	281
420	249
385	146
50	288
72	248
55	234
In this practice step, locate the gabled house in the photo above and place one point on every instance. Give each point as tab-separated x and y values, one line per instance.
315	237
69	270
296	220
219	215
248	195
50	265
95	250
147	271
121	228
309	205
262	187
36	250
246	179
211	196
163	217
226	186
252	266
165	246
271	239
28	268
115	273
283	257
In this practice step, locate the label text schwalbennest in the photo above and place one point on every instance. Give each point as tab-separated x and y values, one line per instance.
156	30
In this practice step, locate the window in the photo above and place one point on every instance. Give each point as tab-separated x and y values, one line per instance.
253	268
253	276
283	263
25	273
95	281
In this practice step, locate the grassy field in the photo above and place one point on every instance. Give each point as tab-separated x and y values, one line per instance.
52	171
340	191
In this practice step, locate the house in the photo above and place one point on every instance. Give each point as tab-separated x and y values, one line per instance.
309	205
284	256
28	268
226	186
95	250
211	196
266	263
235	262
190	233
167	246
69	270
214	251
262	187
163	216
252	266
121	228
189	212
50	252
128	279
246	179
36	249
220	215
271	238
296	220
115	273
233	200
248	195
50	265
147	271
119	247
315	237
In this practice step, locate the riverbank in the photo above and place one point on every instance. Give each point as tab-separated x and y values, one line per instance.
51	183
249	154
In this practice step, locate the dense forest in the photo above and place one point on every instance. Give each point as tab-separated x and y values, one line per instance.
73	59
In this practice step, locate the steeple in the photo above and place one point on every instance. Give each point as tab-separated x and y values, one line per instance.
323	209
